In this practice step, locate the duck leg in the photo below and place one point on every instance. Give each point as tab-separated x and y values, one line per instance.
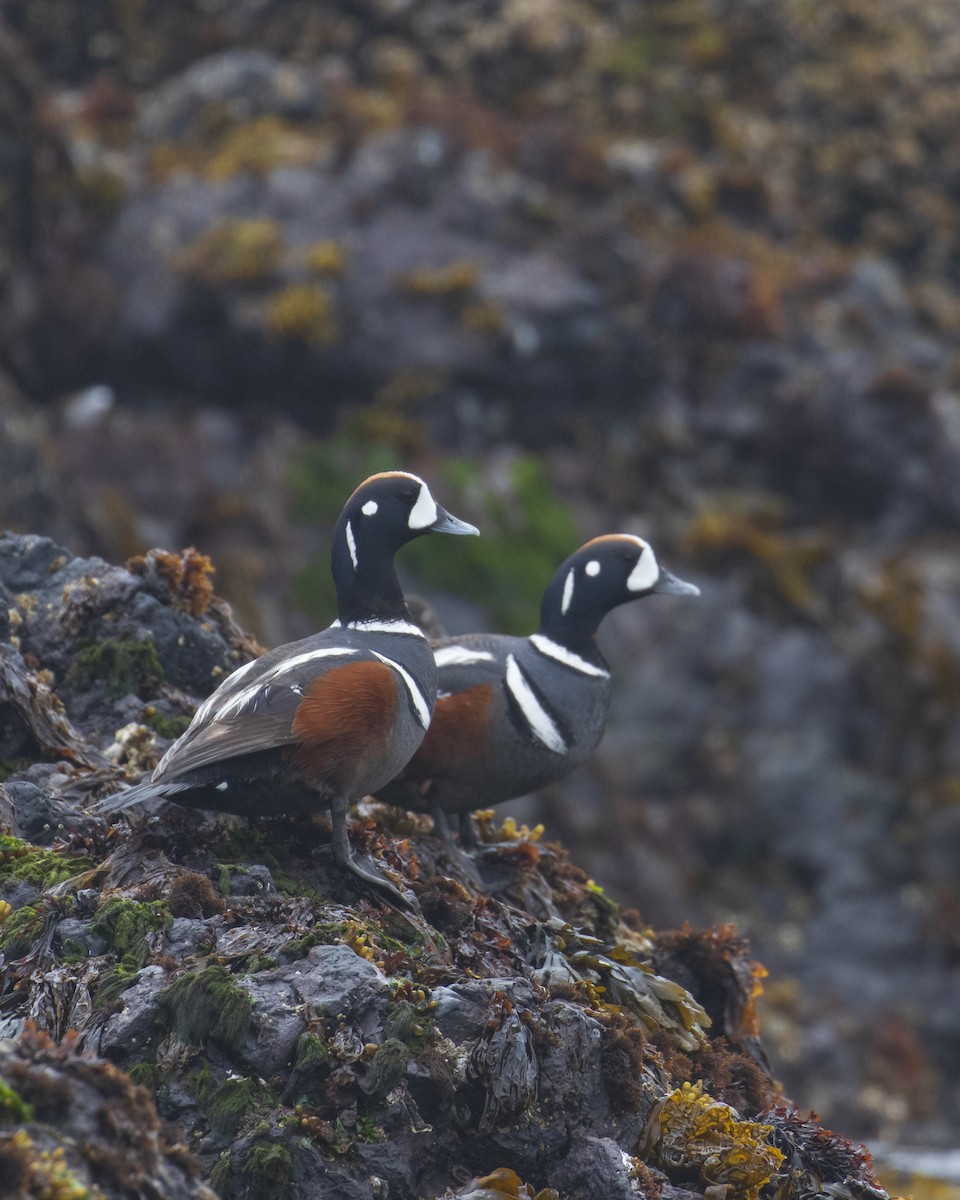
362	866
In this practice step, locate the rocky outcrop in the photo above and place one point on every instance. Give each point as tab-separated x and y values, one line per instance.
298	1036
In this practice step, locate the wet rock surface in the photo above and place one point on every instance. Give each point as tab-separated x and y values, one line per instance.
298	1035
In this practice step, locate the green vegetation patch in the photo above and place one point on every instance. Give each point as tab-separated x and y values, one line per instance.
115	981
208	1004
12	1106
267	1169
125	924
35	864
124	666
229	1104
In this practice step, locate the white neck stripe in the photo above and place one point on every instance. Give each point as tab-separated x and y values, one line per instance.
419	702
352	546
560	654
541	724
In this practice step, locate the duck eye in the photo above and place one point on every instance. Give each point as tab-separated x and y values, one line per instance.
409	494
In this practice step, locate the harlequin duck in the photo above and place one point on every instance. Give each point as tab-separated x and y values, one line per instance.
515	713
326	720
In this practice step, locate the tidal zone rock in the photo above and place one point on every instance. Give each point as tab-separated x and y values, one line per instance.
194	1002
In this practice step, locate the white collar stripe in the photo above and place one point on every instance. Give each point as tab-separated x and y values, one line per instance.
419	702
561	654
542	725
385	627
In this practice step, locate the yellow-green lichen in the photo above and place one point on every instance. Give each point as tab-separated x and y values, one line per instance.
303	312
438	283
690	1133
234	252
325	258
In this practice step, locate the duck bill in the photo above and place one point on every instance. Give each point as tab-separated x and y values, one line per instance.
448	523
670	585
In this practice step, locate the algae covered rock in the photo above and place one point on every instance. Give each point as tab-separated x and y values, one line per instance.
300	1037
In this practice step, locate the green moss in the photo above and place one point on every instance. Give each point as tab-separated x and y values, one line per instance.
115	981
125	925
125	667
261	962
311	1070
389	1064
325	933
368	1130
220	1175
35	864
12	1107
19	932
267	1167
146	1074
208	1004
233	1100
167	727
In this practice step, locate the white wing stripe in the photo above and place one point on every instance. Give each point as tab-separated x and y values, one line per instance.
460	656
560	654
542	725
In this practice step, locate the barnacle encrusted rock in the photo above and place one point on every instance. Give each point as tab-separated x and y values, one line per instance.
301	1037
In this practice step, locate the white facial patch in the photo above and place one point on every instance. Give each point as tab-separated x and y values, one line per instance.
551	649
460	656
352	546
647	571
592	567
567	592
370	508
424	512
419	702
541	724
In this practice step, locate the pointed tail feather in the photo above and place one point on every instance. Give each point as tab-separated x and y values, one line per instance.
137	794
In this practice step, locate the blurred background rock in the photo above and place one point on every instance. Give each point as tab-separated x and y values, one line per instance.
687	268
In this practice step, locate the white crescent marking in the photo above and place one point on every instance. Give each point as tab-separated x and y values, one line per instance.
542	725
646	573
419	703
424	512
